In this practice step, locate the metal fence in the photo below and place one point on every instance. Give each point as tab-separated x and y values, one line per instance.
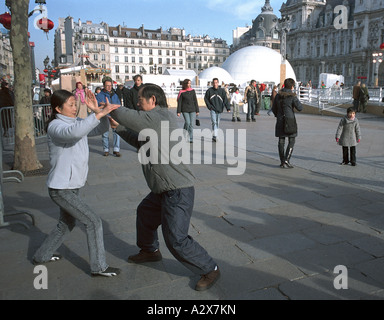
41	114
329	97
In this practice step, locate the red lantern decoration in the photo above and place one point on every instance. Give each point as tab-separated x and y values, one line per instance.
45	70
5	20
382	46
45	24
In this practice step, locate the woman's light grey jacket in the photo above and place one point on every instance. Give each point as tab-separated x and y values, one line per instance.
69	151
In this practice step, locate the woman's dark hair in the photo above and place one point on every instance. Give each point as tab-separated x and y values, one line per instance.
58	99
185	84
148	90
289	83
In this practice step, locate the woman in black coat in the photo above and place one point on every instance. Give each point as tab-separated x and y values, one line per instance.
283	106
188	106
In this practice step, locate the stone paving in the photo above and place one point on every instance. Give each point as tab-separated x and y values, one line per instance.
276	234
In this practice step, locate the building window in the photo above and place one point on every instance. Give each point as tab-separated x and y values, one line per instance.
103	57
116	50
133	60
117	69
126	69
116	58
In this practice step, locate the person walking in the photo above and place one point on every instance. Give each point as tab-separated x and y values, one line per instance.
235	101
251	97
283	107
134	92
364	97
216	100
110	94
348	135
69	156
356	96
82	109
170	202
188	106
6	100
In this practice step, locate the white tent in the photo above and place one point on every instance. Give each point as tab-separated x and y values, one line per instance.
256	63
215	72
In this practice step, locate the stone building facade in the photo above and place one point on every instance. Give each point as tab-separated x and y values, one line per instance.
129	51
263	32
317	44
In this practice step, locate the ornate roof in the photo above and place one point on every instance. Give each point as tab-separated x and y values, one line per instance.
265	23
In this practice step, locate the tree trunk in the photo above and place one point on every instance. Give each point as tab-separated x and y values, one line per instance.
25	146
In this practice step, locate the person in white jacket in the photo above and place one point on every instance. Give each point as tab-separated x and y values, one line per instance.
69	155
236	99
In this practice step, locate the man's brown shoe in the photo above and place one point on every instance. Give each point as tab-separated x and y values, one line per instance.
208	280
117	154
144	256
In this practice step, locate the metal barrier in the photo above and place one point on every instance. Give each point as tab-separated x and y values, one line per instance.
331	97
3	223
41	114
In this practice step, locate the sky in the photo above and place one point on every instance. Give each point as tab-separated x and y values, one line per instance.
216	18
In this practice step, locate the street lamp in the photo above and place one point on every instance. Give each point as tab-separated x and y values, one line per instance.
377	59
49	71
284	26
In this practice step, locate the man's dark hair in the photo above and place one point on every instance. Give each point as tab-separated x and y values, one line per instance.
137	76
253	81
350	110
148	90
289	83
215	79
105	79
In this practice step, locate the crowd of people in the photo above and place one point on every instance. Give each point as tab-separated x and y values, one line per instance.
80	114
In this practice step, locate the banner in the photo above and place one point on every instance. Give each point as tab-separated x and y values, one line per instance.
42	80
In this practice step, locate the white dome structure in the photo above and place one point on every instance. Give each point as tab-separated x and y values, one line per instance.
215	72
256	62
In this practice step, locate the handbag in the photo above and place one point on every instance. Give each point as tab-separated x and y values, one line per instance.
197	122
